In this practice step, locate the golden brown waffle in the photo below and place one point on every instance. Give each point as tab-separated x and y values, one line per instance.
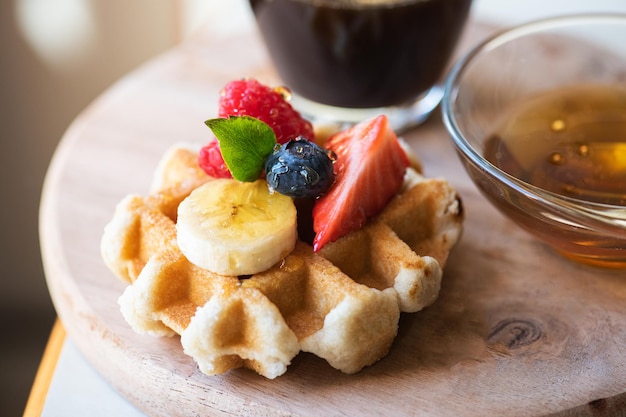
342	304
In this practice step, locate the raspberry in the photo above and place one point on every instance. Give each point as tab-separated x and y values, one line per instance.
248	97
211	161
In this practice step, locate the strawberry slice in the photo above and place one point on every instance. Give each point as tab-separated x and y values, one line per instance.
370	170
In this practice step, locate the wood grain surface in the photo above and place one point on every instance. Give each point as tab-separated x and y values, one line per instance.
516	331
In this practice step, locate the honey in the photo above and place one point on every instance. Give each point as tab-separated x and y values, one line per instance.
571	141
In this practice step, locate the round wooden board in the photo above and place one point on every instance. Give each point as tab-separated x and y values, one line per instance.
516	330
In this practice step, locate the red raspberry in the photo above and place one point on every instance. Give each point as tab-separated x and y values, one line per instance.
211	161
248	97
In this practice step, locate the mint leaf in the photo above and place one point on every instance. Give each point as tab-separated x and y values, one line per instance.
245	143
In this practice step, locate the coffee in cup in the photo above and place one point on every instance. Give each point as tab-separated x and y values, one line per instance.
343	59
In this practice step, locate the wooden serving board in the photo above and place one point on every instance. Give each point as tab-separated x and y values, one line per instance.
516	331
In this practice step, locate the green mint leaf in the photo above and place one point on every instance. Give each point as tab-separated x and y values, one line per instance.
245	143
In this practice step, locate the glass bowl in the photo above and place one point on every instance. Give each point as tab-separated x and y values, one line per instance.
537	114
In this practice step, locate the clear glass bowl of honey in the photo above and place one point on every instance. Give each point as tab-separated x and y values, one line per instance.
537	114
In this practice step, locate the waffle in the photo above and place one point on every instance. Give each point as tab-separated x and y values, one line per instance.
341	304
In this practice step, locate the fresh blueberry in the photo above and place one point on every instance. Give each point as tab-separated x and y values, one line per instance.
299	169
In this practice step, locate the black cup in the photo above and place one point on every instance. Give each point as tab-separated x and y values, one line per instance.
343	59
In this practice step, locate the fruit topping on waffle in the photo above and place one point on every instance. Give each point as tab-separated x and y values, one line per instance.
301	247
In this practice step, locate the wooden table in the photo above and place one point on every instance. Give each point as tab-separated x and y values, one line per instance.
516	331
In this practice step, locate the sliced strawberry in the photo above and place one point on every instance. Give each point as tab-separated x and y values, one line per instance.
370	170
211	161
248	97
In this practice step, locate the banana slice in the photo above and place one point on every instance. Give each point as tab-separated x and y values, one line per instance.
236	228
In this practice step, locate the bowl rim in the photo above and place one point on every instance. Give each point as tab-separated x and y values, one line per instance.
606	214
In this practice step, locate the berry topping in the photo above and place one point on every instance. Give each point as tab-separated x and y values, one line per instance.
211	161
370	170
299	169
248	97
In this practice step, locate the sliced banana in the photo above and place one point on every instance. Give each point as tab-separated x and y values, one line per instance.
236	228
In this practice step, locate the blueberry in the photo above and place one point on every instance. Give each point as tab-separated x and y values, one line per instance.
299	169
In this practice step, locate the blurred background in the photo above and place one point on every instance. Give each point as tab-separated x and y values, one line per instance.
59	55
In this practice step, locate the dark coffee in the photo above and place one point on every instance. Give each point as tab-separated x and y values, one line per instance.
360	53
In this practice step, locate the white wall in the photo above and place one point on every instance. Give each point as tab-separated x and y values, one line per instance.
54	61
510	12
